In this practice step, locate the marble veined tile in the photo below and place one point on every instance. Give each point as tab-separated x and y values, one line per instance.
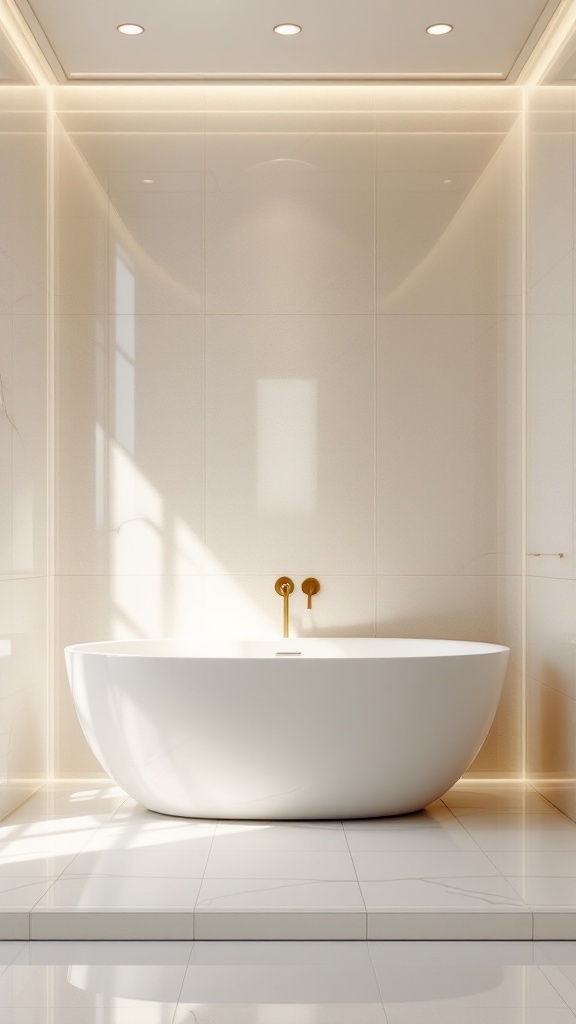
422	864
31	863
513	821
451	954
22	893
411	840
466	985
9	951
168	835
118	893
117	985
286	1013
111	954
539	863
278	894
435	815
42	841
63	801
525	840
484	893
546	891
233	837
295	864
495	797
281	973
444	1012
148	863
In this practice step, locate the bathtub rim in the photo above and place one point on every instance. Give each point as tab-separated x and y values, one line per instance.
424	648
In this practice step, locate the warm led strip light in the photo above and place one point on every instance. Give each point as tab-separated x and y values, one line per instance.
328	76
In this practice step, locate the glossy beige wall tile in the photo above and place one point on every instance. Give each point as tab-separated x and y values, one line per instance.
23	449
288	343
551	594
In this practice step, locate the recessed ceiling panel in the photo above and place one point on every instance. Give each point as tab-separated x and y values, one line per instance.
235	38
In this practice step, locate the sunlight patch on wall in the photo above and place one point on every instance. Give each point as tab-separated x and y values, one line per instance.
286	446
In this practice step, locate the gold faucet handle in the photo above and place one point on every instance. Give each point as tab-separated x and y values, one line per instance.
310	587
283	586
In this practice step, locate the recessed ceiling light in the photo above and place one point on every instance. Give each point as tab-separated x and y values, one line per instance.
439	30
287	30
147	181
130	30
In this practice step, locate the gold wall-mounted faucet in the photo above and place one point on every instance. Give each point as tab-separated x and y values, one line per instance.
310	587
284	586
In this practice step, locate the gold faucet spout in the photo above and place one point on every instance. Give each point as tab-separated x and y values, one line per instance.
284	586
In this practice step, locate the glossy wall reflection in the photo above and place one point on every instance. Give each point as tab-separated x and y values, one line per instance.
23	443
288	341
551	576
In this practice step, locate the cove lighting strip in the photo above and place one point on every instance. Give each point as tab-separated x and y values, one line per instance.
270	76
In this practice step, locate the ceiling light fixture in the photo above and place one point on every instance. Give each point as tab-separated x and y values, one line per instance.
130	30
439	30
287	30
147	181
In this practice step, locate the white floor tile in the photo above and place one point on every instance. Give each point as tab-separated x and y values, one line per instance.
496	797
281	972
467	985
22	893
82	985
9	951
435	815
447	1013
109	954
546	864
563	978
546	892
560	953
232	837
148	863
415	840
143	1013
279	894
296	864
431	864
454	954
485	893
513	820
44	838
531	840
33	862
119	893
278	1013
144	833
64	801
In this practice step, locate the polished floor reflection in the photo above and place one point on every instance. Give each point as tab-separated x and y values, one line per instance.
288	982
488	861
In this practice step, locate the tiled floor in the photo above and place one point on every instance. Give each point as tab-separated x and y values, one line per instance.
489	861
287	983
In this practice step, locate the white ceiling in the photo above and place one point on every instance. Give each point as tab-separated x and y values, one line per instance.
191	39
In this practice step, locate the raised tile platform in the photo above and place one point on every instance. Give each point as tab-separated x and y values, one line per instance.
488	861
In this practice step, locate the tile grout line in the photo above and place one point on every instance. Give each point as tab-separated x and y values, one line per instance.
357	881
183	981
57	878
203	877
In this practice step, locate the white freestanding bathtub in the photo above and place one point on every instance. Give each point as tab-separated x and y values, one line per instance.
310	728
